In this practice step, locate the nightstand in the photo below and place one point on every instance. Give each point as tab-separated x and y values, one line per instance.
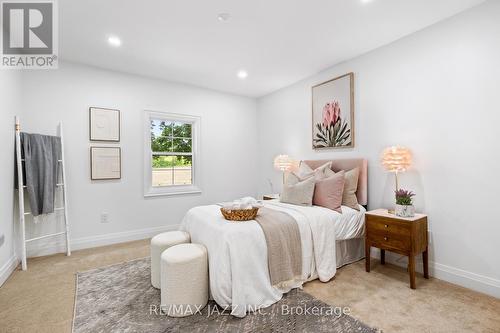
270	196
405	236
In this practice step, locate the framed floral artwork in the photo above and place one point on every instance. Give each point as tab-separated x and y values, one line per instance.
333	113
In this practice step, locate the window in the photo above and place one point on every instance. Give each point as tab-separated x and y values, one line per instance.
170	154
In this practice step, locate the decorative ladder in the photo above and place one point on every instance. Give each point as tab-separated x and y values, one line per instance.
21	187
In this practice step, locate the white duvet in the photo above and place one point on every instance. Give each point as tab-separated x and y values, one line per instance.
237	251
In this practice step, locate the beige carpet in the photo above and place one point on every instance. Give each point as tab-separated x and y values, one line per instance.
41	299
383	298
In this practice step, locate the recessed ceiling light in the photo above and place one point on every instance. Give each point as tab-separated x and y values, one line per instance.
242	74
366	1
223	17
114	41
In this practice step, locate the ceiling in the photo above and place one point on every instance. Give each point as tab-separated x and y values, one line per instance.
278	42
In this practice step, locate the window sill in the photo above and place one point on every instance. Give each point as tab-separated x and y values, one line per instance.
175	190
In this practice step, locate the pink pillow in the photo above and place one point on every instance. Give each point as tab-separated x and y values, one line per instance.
328	192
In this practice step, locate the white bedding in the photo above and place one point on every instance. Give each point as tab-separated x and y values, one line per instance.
237	251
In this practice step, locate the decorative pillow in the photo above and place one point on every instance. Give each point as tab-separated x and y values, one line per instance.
305	171
349	198
329	172
300	193
328	192
291	178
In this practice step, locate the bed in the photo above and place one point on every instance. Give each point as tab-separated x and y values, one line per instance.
238	266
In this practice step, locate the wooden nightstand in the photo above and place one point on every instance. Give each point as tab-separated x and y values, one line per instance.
270	196
405	236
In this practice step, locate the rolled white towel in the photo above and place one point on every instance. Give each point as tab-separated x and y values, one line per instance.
243	203
248	201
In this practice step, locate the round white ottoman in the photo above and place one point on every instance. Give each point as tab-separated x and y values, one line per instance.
184	279
160	243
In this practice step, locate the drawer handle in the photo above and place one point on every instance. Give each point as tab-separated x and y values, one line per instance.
385	238
385	225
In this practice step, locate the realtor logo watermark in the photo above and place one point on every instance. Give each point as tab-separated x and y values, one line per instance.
29	34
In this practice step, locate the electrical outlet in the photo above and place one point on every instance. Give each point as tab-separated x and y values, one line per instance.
2	239
104	218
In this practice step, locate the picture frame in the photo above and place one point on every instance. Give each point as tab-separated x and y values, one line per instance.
333	113
104	125
105	163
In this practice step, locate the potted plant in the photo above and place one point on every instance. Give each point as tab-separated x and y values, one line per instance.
404	203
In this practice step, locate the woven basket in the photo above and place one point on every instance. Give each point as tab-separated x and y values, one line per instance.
239	214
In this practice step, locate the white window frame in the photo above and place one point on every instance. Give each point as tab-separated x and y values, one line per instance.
149	189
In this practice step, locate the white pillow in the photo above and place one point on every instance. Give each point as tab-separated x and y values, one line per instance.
319	173
329	172
300	193
291	178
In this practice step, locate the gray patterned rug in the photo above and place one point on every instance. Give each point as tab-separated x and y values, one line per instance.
120	298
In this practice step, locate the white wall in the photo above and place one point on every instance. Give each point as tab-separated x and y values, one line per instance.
435	92
228	149
10	90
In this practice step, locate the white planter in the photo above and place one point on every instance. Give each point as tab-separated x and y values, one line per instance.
405	210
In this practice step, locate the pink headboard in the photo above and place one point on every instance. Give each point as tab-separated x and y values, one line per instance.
348	164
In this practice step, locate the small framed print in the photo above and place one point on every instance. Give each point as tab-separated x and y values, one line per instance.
105	163
104	124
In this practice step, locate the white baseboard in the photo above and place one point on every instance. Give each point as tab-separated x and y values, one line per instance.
446	273
7	269
58	245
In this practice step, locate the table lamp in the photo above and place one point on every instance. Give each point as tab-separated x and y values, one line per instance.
283	163
396	159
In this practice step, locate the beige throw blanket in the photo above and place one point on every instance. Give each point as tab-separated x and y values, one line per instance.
284	248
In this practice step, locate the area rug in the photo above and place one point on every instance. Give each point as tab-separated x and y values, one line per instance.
120	298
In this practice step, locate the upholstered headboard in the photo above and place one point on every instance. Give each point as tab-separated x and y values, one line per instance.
348	164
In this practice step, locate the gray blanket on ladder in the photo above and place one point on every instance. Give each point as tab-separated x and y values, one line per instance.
41	154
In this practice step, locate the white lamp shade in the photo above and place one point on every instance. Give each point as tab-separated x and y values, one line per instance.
283	162
396	159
